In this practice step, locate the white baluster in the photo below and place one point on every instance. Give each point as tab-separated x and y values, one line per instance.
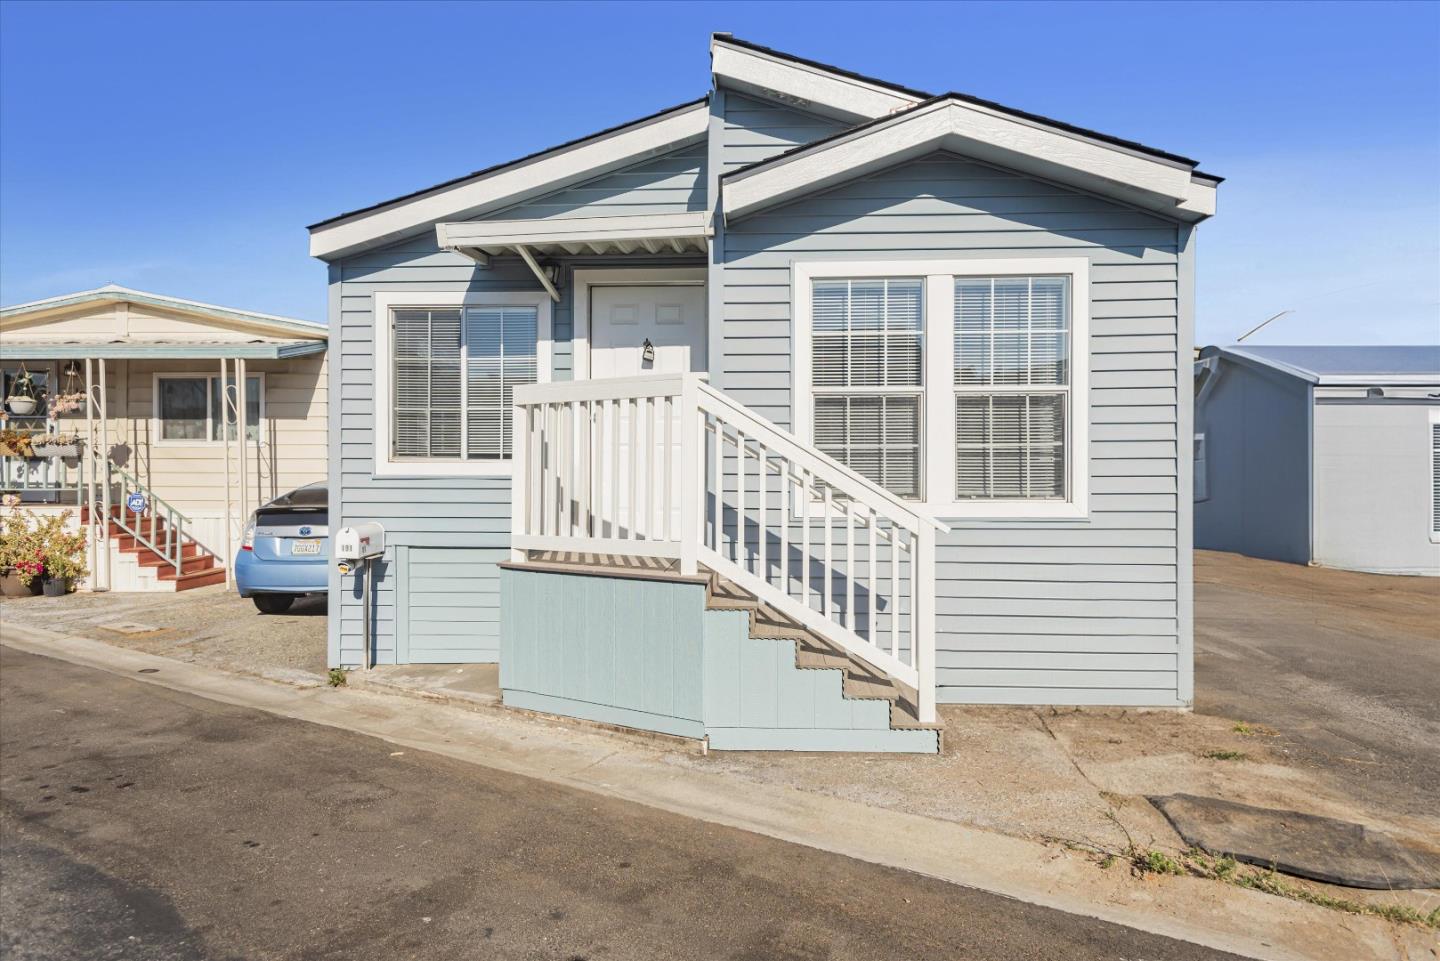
785	525
762	515
805	537
631	517
825	603
740	557
873	584
851	568
667	478
894	590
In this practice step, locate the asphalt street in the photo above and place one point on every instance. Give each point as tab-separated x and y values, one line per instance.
142	823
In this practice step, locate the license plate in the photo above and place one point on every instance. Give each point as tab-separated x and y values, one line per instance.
304	547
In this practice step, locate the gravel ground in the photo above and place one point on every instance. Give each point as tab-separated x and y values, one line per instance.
208	625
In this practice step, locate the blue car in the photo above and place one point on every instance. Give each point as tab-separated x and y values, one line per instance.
285	552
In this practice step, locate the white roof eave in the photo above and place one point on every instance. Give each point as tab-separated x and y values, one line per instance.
1152	183
509	185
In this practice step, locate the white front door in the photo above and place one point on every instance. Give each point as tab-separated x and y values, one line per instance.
637	330
670	319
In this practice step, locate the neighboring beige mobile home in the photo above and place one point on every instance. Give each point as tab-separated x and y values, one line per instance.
138	376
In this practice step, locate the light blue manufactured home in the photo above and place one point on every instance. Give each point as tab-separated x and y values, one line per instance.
780	416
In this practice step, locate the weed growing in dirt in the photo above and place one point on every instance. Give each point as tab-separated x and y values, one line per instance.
336	677
1252	730
1227	755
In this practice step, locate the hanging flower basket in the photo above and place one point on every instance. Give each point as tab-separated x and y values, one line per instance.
56	445
20	405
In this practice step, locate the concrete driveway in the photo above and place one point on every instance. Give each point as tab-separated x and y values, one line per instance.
1344	667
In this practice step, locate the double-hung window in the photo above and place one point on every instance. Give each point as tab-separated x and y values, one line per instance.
1012	382
959	383
867	343
448	366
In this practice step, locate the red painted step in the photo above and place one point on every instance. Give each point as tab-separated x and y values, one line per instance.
198	567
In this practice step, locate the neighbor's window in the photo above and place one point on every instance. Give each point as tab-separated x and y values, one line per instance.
867	377
191	408
1434	477
1012	387
454	378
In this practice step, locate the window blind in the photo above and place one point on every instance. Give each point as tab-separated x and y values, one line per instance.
500	353
866	356
454	380
1012	376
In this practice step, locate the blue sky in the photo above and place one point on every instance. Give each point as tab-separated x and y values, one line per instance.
182	148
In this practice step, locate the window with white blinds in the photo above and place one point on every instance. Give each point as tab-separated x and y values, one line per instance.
455	370
1012	387
867	375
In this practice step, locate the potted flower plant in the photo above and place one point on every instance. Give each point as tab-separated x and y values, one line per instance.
22	554
21	399
58	444
64	555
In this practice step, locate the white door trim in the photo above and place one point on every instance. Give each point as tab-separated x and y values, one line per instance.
583	280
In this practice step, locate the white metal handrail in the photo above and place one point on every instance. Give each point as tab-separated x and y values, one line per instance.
166	536
665	466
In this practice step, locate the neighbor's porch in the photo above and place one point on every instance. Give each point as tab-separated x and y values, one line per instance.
167	423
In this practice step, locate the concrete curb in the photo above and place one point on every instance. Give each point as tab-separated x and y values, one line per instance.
1224	918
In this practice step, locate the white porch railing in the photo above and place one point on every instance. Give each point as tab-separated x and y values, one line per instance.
667	466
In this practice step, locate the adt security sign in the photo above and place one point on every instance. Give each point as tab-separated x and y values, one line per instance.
135	503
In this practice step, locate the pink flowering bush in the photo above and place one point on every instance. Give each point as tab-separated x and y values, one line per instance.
33	545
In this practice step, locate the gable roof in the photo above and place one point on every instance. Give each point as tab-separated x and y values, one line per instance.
510	182
1162	183
114	293
916	97
1339	365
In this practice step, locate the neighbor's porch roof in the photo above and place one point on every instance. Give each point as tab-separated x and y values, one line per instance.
71	349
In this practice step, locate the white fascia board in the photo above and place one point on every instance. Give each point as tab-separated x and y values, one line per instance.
52	307
803	86
510	185
973	131
503	233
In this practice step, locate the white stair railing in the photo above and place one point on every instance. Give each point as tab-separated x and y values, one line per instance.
666	466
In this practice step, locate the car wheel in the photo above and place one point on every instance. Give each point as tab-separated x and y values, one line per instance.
274	603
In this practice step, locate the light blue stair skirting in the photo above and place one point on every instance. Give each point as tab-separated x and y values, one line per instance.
647	654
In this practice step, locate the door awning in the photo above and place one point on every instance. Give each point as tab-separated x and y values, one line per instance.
682	233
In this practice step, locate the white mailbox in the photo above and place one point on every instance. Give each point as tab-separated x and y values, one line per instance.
361	542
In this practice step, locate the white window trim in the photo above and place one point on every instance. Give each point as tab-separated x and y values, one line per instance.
157	423
382	362
582	280
1434	419
938	409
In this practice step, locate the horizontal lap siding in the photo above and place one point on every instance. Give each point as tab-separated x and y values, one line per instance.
670	184
755	130
1048	612
429	512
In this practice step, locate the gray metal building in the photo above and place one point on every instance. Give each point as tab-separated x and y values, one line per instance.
1320	455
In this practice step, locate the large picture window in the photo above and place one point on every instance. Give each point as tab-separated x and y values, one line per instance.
191	408
959	383
455	371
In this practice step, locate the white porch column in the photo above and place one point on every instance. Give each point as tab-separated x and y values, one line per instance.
104	453
225	448
242	390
